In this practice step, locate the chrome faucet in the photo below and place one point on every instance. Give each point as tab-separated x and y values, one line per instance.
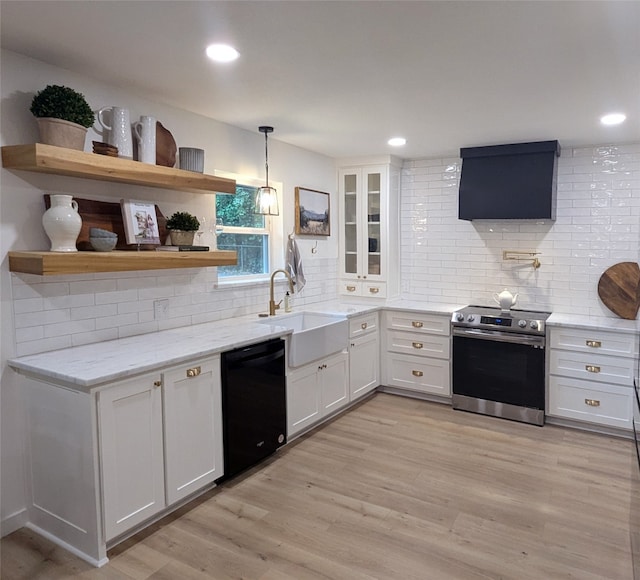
272	303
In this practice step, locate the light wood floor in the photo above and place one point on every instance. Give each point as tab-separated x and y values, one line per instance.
395	489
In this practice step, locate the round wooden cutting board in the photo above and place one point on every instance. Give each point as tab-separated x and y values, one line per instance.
619	289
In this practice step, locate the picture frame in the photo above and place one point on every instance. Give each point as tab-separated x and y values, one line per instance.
313	217
140	222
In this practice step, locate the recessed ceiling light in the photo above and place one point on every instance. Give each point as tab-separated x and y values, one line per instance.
222	53
613	119
397	141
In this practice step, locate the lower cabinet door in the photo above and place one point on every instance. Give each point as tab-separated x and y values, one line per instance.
364	365
419	374
303	398
192	427
334	377
131	453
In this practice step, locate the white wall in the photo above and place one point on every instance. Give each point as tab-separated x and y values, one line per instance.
60	311
445	259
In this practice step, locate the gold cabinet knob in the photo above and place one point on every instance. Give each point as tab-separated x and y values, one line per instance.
157	383
417	373
194	372
417	345
363	326
592	402
594	343
374	290
416	324
351	288
592	369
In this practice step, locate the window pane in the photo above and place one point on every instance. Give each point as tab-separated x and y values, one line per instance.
237	210
253	255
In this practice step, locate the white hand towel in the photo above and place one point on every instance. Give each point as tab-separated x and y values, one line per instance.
294	265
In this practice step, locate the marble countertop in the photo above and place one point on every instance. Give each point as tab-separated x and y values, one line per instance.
89	366
594	323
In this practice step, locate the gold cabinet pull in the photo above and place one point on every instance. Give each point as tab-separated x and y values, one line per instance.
374	290
363	326
417	373
592	369
416	324
194	372
592	402
416	345
594	343
351	288
157	383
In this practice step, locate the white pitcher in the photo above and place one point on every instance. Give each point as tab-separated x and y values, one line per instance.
62	223
145	131
119	132
505	299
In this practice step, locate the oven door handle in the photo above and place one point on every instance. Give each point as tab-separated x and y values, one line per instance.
497	336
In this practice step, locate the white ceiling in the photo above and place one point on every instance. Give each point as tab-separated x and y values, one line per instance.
340	78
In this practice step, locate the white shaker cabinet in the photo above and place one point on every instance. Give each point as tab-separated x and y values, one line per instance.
591	376
417	352
106	461
315	391
192	427
364	355
131	453
369	228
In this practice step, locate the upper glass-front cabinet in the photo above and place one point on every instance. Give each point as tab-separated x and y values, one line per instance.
361	225
369	230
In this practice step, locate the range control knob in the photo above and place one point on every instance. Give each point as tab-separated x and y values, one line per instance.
459	317
534	324
522	323
471	318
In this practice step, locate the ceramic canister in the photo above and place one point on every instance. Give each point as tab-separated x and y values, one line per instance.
62	223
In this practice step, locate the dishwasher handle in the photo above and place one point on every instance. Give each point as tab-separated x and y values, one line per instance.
256	354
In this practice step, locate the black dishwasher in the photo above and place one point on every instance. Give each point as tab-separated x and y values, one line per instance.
254	404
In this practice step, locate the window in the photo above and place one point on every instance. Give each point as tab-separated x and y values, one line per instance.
252	236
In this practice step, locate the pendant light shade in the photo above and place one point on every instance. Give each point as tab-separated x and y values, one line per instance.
266	197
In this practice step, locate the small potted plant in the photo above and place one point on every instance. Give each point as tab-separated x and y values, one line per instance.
182	228
63	116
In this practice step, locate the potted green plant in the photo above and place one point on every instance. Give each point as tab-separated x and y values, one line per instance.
182	228
63	116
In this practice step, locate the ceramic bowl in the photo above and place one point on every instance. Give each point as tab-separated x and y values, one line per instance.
103	244
100	233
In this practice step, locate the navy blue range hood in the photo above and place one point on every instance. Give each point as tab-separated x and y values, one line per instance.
515	181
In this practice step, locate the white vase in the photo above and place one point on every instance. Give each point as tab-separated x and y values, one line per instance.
62	223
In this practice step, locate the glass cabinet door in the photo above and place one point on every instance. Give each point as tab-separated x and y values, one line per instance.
350	223
374	240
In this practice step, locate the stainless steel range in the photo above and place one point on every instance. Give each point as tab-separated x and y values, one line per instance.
499	362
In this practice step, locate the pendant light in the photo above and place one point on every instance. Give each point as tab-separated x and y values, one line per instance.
266	197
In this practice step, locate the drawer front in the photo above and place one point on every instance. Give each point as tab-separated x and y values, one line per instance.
414	343
350	288
374	289
597	341
360	288
419	374
416	322
585	401
592	367
361	325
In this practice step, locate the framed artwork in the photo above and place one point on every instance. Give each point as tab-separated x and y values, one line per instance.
312	212
140	222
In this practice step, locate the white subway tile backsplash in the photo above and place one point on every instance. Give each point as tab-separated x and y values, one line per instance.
598	224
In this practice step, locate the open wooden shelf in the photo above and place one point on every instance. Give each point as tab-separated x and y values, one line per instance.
61	161
57	263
